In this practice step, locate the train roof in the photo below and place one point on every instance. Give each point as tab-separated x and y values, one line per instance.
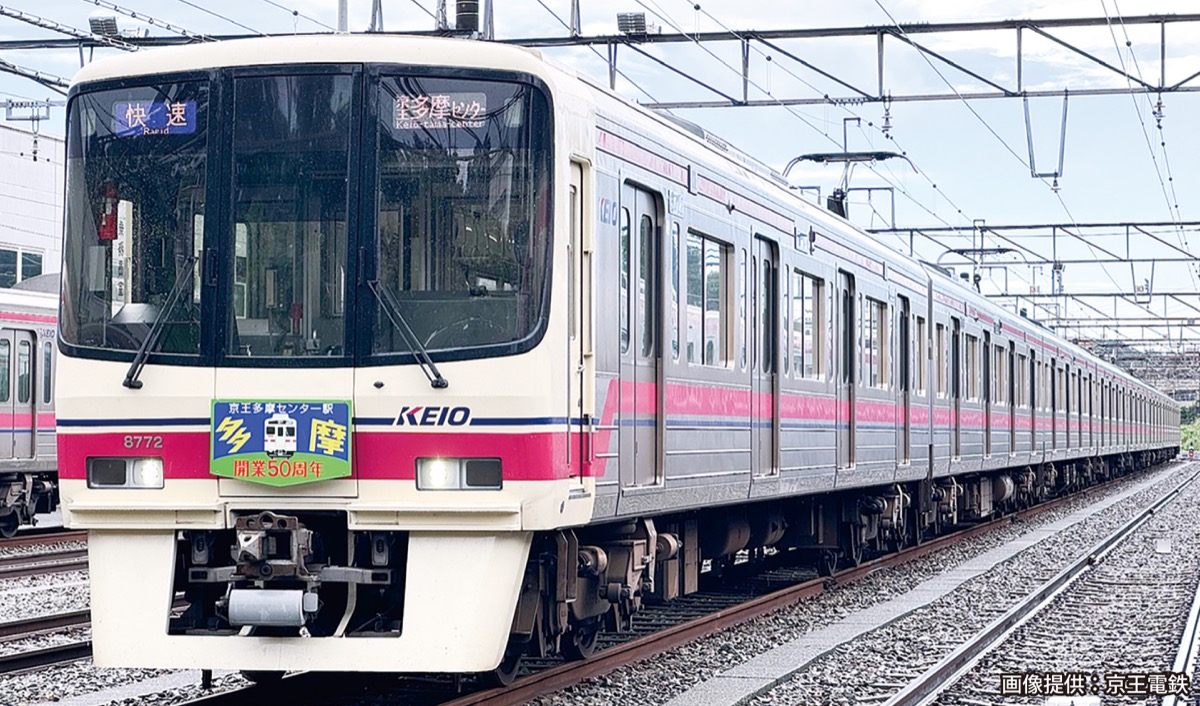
315	48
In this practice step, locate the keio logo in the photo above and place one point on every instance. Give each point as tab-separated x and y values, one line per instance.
433	416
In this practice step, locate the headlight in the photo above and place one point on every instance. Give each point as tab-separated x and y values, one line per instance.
459	474
140	472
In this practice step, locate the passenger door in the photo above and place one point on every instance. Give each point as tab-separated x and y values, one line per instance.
640	361
579	353
764	378
7	398
847	355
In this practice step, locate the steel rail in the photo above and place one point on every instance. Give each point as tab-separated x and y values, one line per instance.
12	567
46	536
945	673
35	659
43	623
1189	648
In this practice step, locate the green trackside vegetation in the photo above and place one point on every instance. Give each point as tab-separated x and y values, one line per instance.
1189	427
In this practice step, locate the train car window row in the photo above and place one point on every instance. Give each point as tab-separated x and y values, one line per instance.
18	265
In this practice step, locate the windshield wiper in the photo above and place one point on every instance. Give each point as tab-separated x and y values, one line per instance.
391	307
160	323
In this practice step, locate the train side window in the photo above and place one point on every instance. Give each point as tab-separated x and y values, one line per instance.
674	291
940	343
875	332
742	307
1021	381
573	248
808	324
707	312
647	312
624	305
999	375
24	362
47	359
785	294
972	367
922	356
5	369
767	298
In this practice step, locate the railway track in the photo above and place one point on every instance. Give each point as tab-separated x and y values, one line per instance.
36	537
37	564
31	628
1188	654
656	630
946	674
47	563
44	657
21	629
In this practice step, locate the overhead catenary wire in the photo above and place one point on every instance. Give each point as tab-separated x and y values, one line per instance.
53	26
296	13
1008	147
594	51
664	16
54	83
427	11
219	16
1172	200
659	12
152	21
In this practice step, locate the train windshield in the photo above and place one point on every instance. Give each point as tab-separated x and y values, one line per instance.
341	186
463	213
135	216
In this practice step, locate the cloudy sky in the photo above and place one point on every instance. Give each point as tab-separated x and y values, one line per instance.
970	161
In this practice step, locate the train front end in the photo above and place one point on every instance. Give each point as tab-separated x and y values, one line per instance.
315	405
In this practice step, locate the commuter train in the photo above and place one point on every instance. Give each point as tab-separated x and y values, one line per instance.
549	355
28	465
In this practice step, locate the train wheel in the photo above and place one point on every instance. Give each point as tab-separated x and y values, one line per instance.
9	524
262	677
827	562
506	672
580	642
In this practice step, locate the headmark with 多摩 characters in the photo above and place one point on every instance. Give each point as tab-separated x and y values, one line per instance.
281	442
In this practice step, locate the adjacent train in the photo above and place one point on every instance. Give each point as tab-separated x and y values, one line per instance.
28	463
527	356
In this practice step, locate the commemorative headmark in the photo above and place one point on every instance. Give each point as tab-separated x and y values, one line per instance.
281	442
